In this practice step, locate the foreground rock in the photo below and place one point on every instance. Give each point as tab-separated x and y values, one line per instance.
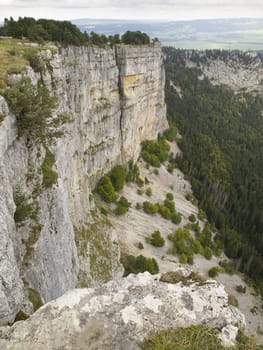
120	314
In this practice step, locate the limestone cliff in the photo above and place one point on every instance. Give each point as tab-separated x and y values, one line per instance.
113	99
120	314
241	71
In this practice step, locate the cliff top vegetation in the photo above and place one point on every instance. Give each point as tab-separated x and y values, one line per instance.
66	33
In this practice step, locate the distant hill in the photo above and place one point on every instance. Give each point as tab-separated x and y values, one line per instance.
243	33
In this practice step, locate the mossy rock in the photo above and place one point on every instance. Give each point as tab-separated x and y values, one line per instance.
35	298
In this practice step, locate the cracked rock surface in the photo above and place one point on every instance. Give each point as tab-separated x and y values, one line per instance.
121	313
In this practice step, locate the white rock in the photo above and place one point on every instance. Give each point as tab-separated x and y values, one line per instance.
101	321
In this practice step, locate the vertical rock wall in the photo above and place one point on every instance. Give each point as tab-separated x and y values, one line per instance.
113	100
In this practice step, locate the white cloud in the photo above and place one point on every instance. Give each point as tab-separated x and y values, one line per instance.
162	9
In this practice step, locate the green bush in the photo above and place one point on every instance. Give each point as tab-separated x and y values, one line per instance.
196	228
208	253
103	211
165	212
106	190
197	247
150	208
183	258
152	159
190	256
155	152
140	182
241	289
189	197
118	176
169	196
138	206
140	245
133	173
24	210
169	204
192	218
228	266
156	239
170	134
32	105
34	60
170	168
201	215
213	272
176	218
149	192
122	206
50	177
133	264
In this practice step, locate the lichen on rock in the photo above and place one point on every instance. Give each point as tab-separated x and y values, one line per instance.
121	313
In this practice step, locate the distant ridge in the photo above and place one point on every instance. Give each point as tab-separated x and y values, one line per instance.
241	33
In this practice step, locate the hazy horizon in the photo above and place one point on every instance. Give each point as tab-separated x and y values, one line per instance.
161	10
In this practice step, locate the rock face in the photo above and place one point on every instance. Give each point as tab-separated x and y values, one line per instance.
121	313
241	71
113	99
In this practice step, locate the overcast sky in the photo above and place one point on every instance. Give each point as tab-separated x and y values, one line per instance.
131	9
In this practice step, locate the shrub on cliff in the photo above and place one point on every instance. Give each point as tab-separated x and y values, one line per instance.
122	206
106	190
155	152
136	264
118	176
150	208
156	239
50	176
32	105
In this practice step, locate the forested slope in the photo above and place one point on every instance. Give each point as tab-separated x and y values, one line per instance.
222	147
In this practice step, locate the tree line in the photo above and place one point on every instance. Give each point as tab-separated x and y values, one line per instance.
66	33
222	156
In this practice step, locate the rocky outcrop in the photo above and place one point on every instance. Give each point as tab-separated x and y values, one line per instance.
241	71
121	313
67	244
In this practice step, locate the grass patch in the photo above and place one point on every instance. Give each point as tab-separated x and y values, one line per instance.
232	300
195	338
15	55
12	59
192	338
35	298
21	316
177	276
50	176
2	117
32	239
24	209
